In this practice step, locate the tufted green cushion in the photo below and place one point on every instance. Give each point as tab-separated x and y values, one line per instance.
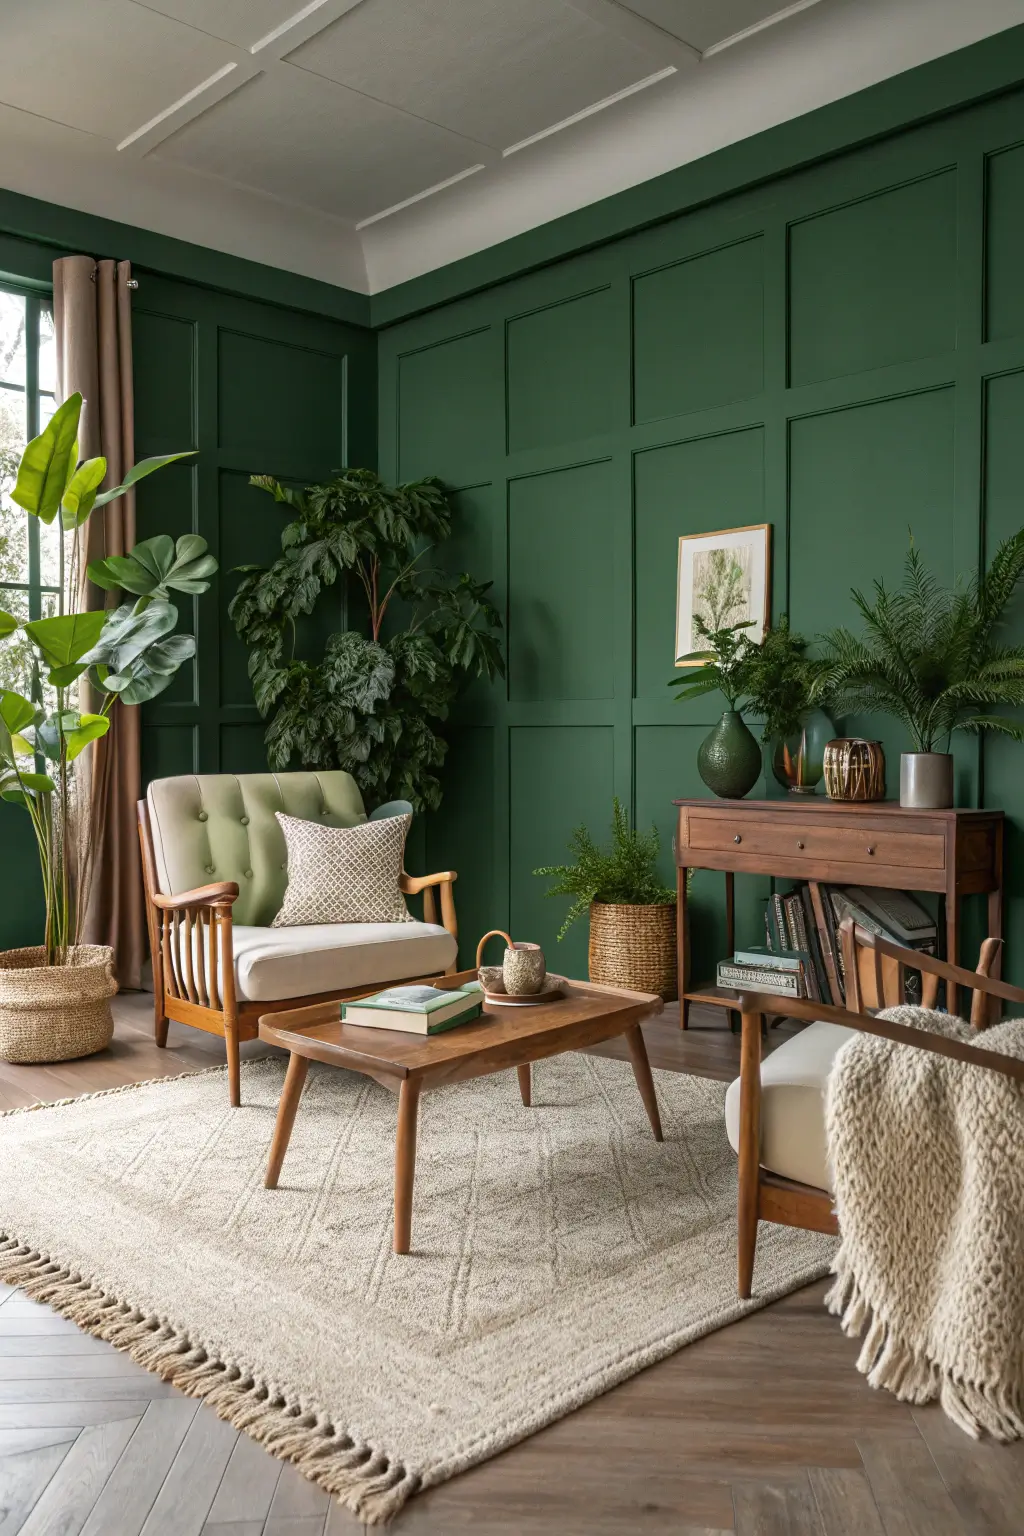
222	826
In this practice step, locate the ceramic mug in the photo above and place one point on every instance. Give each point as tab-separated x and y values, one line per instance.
523	971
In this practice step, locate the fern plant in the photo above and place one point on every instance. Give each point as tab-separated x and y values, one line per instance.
374	703
625	873
929	655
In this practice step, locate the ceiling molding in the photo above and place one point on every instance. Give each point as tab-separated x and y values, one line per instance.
269	53
637	30
759	26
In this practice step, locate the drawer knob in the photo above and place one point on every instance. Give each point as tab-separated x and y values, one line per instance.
870	849
799	845
737	838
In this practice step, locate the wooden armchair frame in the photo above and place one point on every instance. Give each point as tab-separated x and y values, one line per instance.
875	971
190	940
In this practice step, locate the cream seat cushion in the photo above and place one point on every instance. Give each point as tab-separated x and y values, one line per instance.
793	1082
275	963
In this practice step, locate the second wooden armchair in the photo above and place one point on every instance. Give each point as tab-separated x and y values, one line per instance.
775	1111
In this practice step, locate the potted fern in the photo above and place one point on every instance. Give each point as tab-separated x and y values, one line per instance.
55	996
930	657
632	912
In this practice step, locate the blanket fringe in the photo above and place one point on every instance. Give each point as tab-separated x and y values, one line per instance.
888	1361
367	1481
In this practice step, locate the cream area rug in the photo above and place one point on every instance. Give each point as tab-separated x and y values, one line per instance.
556	1251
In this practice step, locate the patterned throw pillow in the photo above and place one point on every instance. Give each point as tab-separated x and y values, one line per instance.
343	874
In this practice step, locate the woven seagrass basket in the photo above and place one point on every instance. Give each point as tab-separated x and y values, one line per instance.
634	947
55	1012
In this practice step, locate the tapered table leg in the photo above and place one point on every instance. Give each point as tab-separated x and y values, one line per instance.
749	1150
405	1161
294	1082
644	1080
525	1086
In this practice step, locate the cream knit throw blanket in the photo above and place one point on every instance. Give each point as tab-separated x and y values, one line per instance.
928	1155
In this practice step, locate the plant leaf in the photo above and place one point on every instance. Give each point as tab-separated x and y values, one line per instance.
139	472
80	492
8	624
47	463
67	637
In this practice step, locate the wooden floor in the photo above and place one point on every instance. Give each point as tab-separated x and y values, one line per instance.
764	1428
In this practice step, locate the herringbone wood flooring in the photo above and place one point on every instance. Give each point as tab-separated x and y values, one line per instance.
764	1428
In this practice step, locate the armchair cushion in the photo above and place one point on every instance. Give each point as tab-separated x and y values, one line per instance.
343	874
210	827
276	963
793	1080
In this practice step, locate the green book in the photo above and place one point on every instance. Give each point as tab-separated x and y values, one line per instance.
417	1010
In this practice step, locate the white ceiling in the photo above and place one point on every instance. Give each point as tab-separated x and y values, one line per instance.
365	141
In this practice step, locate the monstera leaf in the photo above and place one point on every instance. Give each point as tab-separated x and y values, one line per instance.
157	567
136	655
48	463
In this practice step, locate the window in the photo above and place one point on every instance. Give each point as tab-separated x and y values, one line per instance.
29	551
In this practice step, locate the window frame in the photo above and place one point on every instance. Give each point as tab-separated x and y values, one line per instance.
36	302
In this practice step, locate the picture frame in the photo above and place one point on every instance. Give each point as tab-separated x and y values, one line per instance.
726	578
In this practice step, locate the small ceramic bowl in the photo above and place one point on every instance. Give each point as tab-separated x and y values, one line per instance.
491	978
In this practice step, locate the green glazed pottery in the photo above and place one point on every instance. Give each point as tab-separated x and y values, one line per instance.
729	760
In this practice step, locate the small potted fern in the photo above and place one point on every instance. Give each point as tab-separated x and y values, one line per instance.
929	657
632	913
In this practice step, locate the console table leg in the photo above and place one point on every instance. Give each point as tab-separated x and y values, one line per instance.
405	1161
682	948
644	1080
525	1085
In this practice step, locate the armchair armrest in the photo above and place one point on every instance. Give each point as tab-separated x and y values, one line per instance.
412	885
754	1004
221	894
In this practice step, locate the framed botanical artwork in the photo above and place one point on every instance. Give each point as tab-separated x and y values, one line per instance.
723	578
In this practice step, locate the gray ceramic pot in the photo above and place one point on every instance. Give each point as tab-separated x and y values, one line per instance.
926	781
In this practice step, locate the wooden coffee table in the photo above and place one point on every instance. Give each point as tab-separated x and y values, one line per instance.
407	1064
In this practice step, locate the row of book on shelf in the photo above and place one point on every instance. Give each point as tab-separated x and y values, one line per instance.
802	955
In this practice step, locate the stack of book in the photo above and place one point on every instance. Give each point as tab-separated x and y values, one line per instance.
417	1010
802	956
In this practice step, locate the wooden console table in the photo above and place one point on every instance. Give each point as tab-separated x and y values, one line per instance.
955	853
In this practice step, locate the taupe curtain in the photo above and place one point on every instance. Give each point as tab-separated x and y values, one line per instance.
93	327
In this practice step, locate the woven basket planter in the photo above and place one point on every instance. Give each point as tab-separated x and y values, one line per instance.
55	1012
634	947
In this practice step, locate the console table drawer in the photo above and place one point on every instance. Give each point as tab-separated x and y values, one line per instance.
815	843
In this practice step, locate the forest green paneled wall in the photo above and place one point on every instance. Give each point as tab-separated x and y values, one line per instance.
256	388
839	353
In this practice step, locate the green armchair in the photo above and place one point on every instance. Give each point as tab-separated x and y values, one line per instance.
215	870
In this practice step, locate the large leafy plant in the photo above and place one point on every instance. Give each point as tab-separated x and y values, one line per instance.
625	873
127	655
375	701
930	655
782	682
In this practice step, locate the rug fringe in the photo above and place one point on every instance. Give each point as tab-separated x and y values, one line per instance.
366	1480
888	1361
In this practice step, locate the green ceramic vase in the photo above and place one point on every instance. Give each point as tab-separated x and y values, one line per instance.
729	760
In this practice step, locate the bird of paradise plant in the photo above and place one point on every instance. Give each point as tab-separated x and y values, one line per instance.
126	654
